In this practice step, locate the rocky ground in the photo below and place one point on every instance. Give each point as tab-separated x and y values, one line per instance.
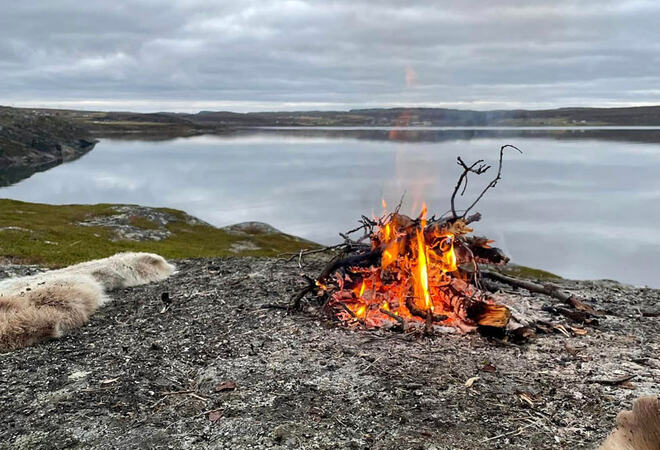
221	368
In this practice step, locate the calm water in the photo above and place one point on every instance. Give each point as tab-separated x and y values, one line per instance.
583	204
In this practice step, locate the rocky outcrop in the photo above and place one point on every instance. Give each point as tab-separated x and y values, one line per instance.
140	223
32	141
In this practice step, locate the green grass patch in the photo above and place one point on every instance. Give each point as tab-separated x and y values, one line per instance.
143	222
50	235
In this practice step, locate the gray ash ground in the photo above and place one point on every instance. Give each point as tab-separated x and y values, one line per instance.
137	377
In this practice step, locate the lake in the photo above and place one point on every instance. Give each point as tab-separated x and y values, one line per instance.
582	203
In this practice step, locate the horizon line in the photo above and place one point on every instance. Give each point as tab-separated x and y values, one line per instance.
243	107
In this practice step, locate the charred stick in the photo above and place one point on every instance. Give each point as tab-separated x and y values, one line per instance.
352	314
296	299
428	326
575	314
275	306
399	319
349	311
415	311
398	207
492	255
546	289
489	285
476	217
441	222
370	257
346	247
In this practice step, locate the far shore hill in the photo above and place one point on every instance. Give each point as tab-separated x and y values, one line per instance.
35	139
100	123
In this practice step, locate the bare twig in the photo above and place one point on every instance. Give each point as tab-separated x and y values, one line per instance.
510	433
477	168
497	178
398	207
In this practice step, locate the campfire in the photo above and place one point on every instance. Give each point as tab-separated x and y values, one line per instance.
422	273
421	270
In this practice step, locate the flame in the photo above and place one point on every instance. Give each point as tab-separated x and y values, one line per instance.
450	258
422	215
361	311
417	273
422	279
391	251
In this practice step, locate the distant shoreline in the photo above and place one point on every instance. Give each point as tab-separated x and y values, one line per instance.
459	128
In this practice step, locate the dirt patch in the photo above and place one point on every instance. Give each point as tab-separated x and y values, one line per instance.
220	368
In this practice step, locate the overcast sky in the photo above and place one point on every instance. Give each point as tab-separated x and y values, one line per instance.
187	55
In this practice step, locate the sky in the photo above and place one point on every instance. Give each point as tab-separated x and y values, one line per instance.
243	55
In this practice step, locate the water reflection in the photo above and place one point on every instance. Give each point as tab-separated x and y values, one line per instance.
578	206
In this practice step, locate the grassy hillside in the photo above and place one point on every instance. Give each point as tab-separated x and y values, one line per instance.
53	235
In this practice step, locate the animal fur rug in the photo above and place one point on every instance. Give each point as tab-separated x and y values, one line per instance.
47	305
638	429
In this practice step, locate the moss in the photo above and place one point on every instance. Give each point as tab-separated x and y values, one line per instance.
144	223
50	235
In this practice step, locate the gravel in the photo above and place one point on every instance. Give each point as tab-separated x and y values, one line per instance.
221	368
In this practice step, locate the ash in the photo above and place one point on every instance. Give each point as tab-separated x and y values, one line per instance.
217	367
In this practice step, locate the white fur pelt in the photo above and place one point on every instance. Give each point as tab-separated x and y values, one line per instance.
47	305
638	429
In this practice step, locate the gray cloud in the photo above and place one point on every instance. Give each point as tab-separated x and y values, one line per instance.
249	55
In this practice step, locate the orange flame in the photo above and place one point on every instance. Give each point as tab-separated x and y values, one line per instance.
413	274
422	279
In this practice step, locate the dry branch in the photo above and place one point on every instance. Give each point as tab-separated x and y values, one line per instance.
547	289
477	168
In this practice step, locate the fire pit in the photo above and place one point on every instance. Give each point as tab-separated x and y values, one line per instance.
423	274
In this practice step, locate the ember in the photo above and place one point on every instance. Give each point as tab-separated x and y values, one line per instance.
414	272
